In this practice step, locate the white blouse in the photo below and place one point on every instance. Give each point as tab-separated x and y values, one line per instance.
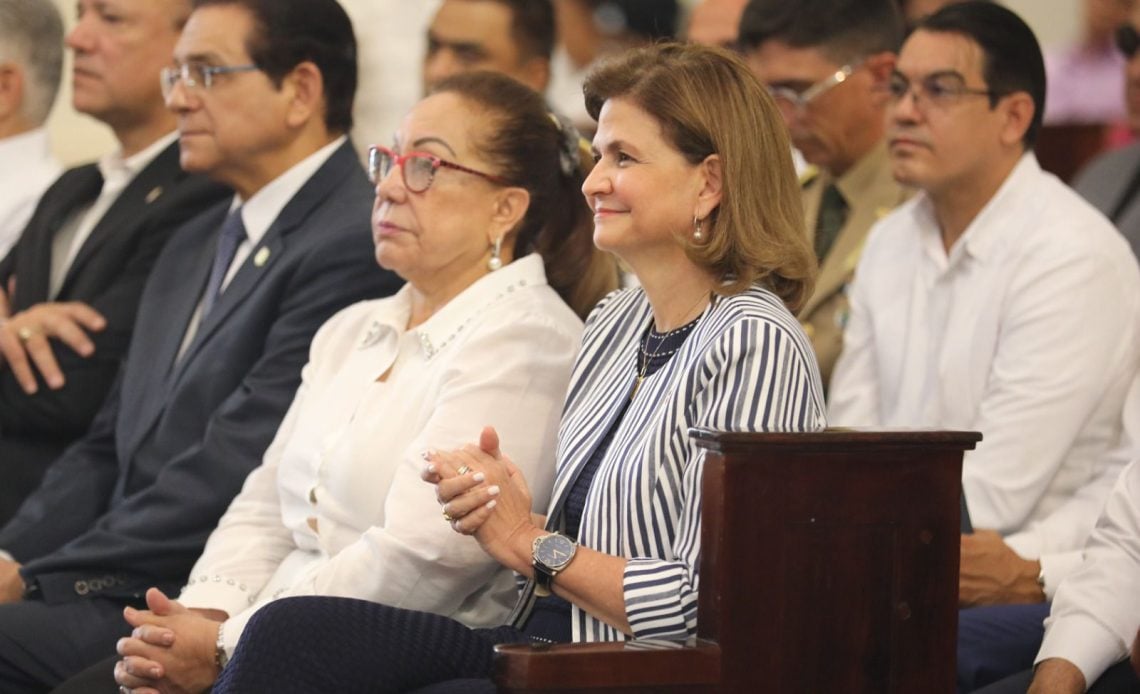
338	508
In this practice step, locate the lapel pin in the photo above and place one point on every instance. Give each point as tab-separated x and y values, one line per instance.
262	256
153	194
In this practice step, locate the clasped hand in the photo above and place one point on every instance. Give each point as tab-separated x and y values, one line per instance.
170	651
24	338
490	500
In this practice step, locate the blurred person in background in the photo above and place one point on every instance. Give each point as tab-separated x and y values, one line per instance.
827	63
591	29
31	63
715	22
1086	79
514	37
1111	182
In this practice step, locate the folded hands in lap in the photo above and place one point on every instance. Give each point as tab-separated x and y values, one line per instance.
171	650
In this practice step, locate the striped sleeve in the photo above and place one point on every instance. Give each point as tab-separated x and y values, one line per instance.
756	376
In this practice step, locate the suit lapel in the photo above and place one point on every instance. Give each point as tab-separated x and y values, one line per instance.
253	269
178	303
33	271
265	254
145	189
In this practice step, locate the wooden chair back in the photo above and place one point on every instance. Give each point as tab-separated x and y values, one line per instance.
829	564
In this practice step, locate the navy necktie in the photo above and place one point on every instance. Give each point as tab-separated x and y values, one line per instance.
233	233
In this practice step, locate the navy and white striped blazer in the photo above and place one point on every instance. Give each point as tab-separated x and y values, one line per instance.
747	366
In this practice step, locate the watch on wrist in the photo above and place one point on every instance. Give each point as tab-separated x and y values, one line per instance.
551	554
220	655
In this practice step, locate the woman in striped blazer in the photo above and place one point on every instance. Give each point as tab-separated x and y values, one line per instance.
694	189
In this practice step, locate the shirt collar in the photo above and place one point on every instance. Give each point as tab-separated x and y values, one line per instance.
259	212
986	230
436	333
117	170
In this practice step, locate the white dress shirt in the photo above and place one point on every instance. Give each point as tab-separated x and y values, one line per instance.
338	507
1026	331
1096	611
27	168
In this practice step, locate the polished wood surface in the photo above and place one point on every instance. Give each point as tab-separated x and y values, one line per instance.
1065	149
830	564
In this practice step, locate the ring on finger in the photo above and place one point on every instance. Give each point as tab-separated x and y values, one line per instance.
25	333
463	470
447	516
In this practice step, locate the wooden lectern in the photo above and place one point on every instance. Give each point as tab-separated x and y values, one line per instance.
829	564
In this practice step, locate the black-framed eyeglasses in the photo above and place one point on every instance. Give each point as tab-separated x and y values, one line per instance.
1127	40
196	76
940	89
418	168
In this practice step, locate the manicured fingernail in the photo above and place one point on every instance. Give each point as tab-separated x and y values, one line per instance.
426	455
491	504
479	477
430	468
493	490
168	638
155	672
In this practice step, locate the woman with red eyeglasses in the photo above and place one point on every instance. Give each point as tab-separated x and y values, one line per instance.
478	207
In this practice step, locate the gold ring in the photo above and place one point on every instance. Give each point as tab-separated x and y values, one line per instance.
447	517
25	333
463	470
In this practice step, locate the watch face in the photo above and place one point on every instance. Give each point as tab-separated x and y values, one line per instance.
554	551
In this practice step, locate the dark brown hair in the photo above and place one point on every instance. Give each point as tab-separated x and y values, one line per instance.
533	149
289	32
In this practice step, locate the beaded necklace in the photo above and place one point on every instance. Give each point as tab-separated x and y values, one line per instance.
664	345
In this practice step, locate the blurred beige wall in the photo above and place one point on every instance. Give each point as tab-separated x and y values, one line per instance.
1056	22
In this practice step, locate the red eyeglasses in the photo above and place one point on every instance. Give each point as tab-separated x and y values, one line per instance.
418	168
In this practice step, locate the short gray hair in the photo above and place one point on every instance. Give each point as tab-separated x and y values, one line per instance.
31	35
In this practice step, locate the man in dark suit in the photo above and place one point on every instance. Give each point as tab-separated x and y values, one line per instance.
70	288
1111	182
263	93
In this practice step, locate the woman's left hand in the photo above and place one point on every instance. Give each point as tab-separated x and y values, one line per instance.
170	650
490	500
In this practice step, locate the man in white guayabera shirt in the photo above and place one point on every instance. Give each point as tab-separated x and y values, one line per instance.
996	300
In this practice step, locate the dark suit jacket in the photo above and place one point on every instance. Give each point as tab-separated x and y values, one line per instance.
132	503
108	273
1105	182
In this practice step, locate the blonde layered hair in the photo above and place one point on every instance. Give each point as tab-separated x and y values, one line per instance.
708	102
